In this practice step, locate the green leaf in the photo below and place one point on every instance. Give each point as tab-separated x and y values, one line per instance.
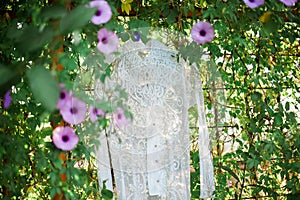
278	119
287	106
106	74
271	26
13	32
107	194
33	39
137	24
172	16
6	74
124	36
256	96
43	86
68	62
115	26
192	52
53	12
76	19
252	163
291	117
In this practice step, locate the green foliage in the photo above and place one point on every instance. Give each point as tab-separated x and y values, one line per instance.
6	74
256	54
43	86
76	19
33	39
192	52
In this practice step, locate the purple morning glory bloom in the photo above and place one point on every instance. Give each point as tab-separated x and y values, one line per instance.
95	113
108	41
120	119
64	138
73	111
202	32
7	99
254	3
64	96
289	2
103	12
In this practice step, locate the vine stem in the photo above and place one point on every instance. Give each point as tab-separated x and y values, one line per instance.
56	49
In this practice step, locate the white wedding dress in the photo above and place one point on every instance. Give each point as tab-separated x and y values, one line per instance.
150	157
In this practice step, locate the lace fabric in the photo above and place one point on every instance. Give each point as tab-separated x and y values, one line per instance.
150	157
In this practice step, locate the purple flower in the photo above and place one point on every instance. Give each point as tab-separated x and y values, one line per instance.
108	41
64	138
95	113
73	111
289	2
136	36
64	96
254	3
103	12
202	32
120	119
7	99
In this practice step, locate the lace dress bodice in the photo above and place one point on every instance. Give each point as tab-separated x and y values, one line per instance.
150	156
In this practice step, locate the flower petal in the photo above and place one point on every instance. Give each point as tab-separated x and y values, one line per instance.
95	113
64	97
108	41
289	2
202	32
74	111
103	12
7	99
64	138
120	119
254	3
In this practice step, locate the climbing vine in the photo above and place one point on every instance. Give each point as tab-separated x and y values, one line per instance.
251	85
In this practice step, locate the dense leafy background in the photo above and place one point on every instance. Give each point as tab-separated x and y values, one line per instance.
256	136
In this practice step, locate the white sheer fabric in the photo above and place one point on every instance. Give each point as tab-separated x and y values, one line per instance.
150	158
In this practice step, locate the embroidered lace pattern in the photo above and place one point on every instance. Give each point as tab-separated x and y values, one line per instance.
150	157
